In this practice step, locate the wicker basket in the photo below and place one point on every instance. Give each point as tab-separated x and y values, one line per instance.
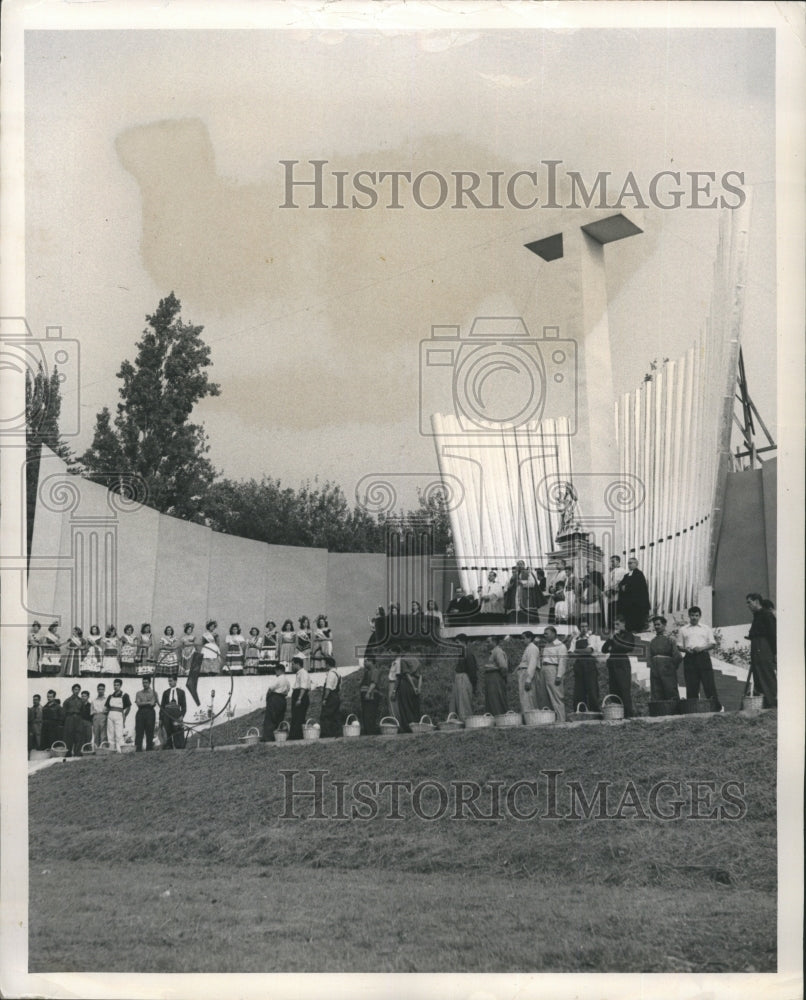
666	707
452	724
697	706
88	750
58	749
388	726
752	702
539	717
583	715
310	731
508	721
103	748
251	736
281	733
126	748
423	727
612	713
351	729
485	721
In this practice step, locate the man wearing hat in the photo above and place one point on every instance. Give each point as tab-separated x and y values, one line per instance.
530	663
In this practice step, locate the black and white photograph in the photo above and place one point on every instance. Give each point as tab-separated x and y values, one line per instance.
402	490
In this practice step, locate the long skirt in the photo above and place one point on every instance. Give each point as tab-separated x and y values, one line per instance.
329	717
33	660
286	650
210	665
72	662
110	664
408	704
495	692
461	700
275	710
300	700
91	664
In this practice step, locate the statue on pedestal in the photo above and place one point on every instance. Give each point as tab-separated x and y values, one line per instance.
569	513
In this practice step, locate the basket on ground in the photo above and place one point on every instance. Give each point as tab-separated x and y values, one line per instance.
310	731
539	717
58	749
508	720
281	732
582	714
423	727
480	721
752	702
611	711
666	707
351	727
126	747
88	750
452	724
252	736
103	748
388	726
697	706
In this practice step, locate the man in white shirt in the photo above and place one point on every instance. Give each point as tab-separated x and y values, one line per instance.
491	595
98	712
529	665
553	657
697	640
614	578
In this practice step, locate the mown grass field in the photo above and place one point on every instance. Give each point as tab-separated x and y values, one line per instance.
186	864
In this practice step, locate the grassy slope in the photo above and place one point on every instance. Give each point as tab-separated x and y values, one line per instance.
374	895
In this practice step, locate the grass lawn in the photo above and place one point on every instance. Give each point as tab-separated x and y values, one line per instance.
248	890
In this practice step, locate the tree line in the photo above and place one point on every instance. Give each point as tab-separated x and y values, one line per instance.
152	437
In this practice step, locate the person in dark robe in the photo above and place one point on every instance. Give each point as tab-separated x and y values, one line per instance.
763	650
664	658
173	708
586	670
330	716
409	684
633	598
72	722
35	724
370	692
275	702
465	681
496	674
621	645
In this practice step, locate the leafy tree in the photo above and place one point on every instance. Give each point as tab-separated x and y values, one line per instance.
152	436
43	406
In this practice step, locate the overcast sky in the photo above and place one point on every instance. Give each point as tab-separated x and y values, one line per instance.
153	165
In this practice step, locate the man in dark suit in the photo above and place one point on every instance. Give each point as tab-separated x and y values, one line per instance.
633	598
174	706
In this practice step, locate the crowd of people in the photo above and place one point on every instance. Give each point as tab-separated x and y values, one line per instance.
529	595
139	653
392	681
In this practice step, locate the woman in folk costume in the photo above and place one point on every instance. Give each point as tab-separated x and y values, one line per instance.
300	697
235	650
187	648
211	651
322	640
34	649
303	637
168	656
288	645
111	647
268	647
145	650
129	649
252	651
330	717
465	680
76	645
408	692
50	659
91	664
